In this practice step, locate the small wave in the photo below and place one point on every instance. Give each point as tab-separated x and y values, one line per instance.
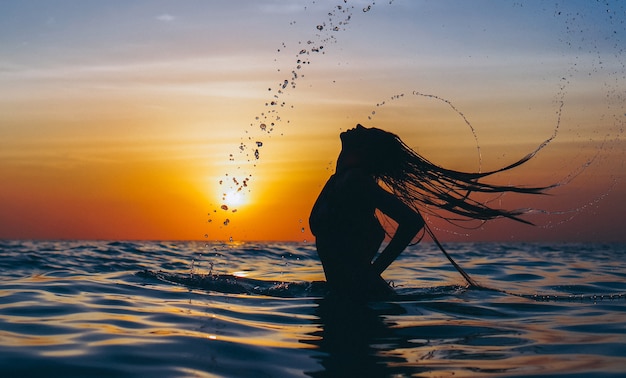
230	284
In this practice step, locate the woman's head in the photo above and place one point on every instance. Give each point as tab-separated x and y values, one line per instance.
372	149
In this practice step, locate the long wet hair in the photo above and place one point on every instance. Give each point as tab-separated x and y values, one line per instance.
426	187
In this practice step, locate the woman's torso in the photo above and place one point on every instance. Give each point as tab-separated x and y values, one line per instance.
343	217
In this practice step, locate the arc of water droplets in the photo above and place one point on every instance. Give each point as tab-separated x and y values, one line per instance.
266	122
449	103
597	65
467	122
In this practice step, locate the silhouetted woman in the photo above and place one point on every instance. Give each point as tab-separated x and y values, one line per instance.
377	171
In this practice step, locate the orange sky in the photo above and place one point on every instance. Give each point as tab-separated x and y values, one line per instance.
117	121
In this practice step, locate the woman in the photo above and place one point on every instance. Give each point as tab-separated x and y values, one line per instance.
343	219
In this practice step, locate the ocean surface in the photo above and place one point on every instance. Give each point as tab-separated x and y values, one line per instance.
178	309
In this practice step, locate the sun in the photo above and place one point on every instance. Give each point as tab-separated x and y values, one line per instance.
233	199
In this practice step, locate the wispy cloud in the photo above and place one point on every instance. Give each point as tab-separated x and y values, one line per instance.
165	17
281	8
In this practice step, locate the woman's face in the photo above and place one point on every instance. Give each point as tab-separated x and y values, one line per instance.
366	147
355	138
355	147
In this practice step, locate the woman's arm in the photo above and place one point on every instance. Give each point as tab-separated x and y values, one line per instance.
409	224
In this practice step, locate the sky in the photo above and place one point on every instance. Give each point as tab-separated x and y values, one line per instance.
218	120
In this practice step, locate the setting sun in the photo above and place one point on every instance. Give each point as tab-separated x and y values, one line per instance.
233	199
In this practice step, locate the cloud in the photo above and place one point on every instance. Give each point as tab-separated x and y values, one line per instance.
166	17
281	8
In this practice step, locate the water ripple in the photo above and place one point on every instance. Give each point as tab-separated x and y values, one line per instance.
136	309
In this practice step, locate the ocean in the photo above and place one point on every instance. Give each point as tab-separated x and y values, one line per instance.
195	309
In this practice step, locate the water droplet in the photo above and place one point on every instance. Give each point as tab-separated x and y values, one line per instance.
206	235
320	27
259	144
263	126
367	8
256	154
285	83
224	207
226	222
